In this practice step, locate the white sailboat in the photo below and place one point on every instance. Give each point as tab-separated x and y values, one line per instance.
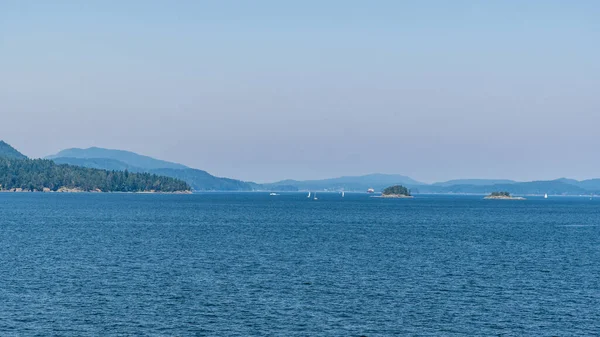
546	196
342	194
308	194
316	196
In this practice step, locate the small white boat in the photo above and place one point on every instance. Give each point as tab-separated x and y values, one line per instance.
316	196
546	196
342	194
273	193
308	194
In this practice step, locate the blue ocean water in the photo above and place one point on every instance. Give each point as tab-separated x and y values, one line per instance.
250	264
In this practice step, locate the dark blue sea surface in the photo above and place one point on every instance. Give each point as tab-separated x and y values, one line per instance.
250	264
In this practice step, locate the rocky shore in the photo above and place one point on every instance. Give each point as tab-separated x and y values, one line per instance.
503	197
393	196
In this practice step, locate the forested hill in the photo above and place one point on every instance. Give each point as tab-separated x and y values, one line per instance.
18	173
108	159
98	163
45	175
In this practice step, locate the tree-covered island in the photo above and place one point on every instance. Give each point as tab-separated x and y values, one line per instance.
502	195
397	191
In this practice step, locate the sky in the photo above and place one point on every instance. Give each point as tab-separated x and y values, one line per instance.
269	90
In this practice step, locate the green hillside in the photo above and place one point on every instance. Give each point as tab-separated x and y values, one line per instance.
118	160
99	163
40	174
8	151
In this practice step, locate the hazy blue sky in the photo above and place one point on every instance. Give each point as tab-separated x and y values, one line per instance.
266	90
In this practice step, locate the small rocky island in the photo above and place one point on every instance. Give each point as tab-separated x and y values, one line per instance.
397	191
503	196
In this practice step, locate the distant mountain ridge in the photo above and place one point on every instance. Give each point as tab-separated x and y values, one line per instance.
474	182
130	158
119	160
21	174
554	187
203	181
377	181
200	180
589	184
561	186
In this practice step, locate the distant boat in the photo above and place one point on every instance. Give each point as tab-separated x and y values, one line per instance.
546	196
308	194
342	194
370	190
273	193
316	196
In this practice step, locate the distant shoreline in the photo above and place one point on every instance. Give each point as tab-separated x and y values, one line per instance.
94	192
292	192
393	196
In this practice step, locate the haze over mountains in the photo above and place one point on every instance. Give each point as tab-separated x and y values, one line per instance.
554	187
376	181
118	157
18	173
109	159
475	182
201	180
